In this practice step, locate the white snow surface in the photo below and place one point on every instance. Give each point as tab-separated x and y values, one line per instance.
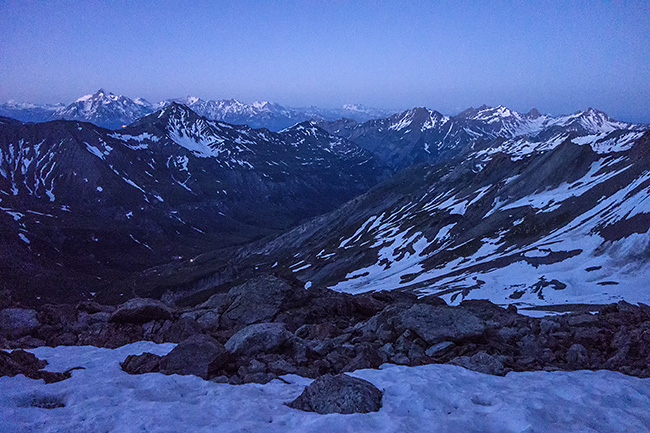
431	398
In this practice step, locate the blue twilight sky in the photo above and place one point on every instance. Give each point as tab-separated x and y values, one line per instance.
554	55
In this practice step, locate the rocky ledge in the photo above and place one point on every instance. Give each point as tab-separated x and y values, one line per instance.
268	327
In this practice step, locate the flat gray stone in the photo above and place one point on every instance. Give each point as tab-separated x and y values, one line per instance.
258	338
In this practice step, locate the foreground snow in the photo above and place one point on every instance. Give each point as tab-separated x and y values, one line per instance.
440	398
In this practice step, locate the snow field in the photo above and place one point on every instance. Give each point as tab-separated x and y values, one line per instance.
432	398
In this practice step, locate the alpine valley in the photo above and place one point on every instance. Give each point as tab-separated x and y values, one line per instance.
83	206
518	208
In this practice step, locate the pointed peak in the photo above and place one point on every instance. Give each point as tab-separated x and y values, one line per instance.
309	127
533	113
594	112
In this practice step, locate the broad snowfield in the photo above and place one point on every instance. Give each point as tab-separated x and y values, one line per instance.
433	398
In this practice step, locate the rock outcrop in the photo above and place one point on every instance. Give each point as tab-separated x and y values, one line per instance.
25	363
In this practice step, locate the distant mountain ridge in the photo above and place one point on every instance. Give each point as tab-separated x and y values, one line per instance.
422	135
112	111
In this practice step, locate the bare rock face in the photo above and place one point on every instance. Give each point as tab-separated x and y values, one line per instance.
141	310
18	322
258	338
257	300
339	394
196	355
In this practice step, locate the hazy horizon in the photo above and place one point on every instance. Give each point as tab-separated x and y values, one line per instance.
449	56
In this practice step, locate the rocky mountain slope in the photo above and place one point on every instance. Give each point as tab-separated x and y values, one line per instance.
527	220
82	206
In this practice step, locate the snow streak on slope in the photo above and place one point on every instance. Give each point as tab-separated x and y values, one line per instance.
102	397
569	225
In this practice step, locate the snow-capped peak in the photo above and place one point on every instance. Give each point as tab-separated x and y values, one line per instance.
106	109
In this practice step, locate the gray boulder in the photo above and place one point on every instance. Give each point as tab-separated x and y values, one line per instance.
577	356
141	310
482	362
18	322
197	355
258	338
339	394
258	300
435	324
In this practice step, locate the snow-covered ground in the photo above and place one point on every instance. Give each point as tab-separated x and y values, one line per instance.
432	398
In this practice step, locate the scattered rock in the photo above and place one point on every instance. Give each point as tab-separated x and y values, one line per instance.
176	331
27	364
339	394
577	357
29	342
547	326
141	310
337	332
209	320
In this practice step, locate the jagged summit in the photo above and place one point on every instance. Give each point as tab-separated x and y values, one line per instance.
105	109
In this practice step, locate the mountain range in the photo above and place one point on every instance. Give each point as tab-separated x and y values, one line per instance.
82	205
421	135
520	208
533	210
112	111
